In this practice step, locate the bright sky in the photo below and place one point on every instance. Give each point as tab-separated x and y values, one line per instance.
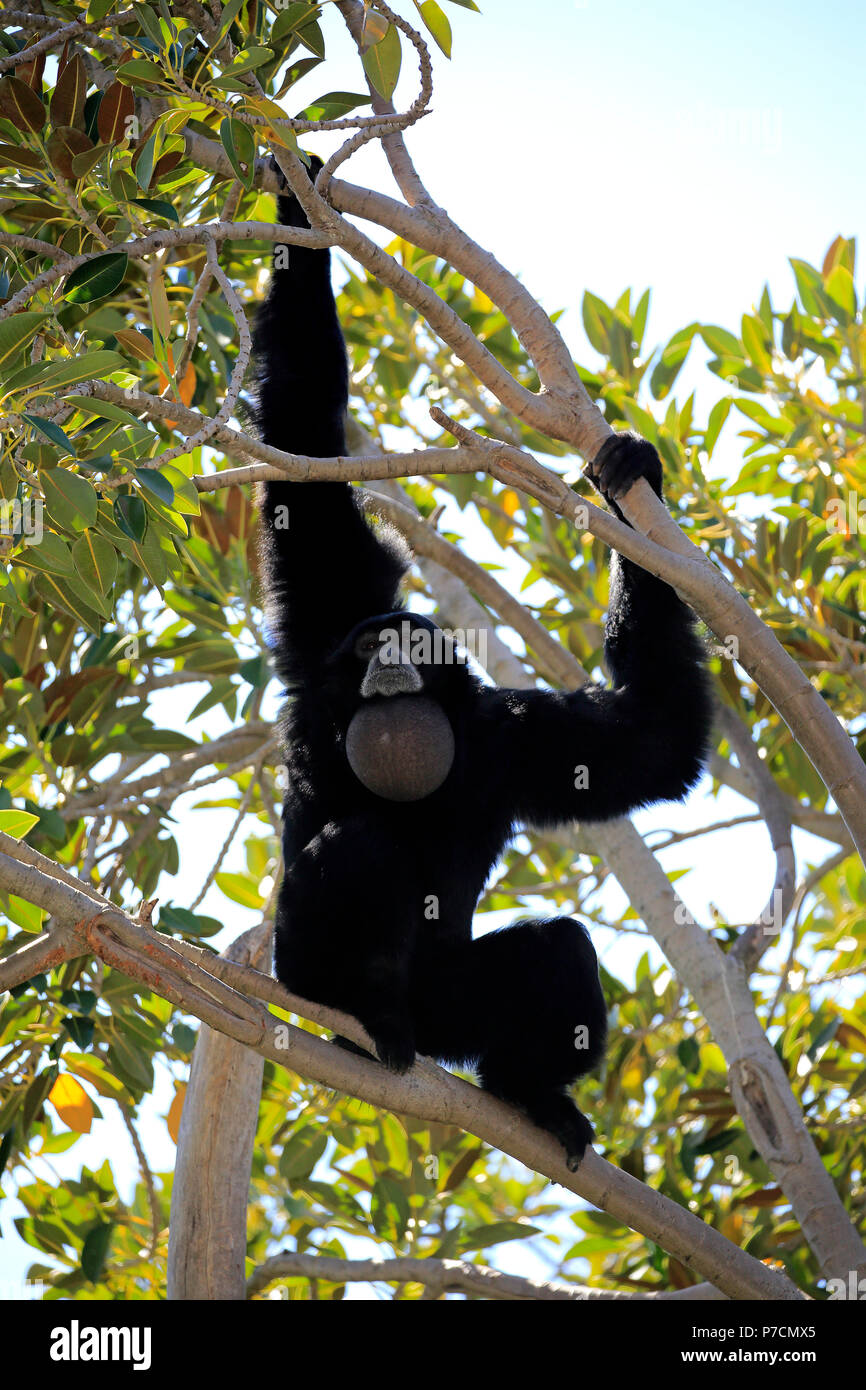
687	148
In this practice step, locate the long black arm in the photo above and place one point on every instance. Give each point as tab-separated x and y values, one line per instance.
601	752
324	568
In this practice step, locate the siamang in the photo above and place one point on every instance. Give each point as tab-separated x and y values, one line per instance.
374	914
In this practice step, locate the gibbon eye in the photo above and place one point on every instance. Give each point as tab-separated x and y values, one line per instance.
367	644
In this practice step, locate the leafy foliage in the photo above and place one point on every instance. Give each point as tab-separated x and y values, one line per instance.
121	580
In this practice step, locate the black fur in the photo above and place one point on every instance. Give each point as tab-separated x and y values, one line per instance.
375	911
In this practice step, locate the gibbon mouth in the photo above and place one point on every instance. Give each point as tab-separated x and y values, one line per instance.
390	678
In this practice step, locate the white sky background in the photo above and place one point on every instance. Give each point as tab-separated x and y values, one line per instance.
592	145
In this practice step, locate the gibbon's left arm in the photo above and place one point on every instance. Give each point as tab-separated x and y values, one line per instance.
324	568
597	752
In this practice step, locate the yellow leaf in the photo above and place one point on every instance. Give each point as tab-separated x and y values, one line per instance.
263	106
173	1117
72	1103
510	501
187	385
186	389
159	307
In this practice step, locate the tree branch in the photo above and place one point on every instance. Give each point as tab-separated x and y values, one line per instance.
453	1276
426	1091
752	943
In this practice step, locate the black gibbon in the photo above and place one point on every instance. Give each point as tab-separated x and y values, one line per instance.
407	776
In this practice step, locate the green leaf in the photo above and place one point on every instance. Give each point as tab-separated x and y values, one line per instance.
311	37
66	371
103	409
389	1209
495	1233
755	344
809	286
158	206
130	1063
15	332
80	1030
97	278
141	72
240	889
155	482
162	740
840	287
51	823
227	19
382	63
256	671
221	692
214	657
247	61
186	497
239	144
94	1070
50	553
183	1036
718	416
150	557
640	317
437	22
302	1152
824	1035
640	420
689	1054
16	824
721	341
70	500
294	72
291	18
52	432
761	416
86	160
37	1093
334	104
673	356
66	594
40	455
597	321
89	116
95	561
150	25
189	923
146	161
130	514
25	915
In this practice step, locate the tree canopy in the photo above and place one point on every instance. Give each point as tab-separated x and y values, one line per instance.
136	228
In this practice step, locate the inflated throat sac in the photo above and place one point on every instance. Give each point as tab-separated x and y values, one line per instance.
400	747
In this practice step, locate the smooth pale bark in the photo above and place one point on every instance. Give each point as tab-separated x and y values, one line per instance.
210	1195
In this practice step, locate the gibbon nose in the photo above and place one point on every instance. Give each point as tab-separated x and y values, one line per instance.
390	677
